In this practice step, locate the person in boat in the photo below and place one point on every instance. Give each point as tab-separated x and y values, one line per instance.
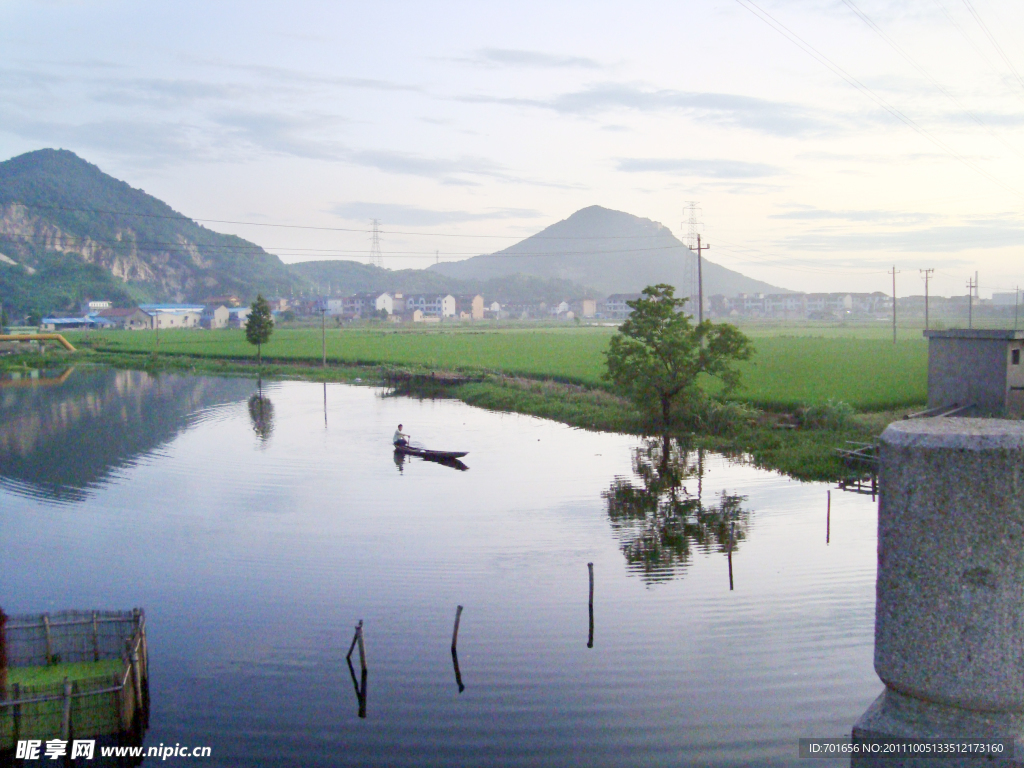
400	437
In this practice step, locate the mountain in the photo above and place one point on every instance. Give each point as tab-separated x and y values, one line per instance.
345	277
612	251
70	232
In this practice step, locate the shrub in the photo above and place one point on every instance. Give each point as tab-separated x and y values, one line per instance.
832	414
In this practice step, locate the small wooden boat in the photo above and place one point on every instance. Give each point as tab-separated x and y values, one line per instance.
426	453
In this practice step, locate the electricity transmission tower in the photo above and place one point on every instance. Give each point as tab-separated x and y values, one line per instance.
692	211
376	257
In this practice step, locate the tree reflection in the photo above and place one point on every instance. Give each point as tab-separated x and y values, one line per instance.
261	411
659	522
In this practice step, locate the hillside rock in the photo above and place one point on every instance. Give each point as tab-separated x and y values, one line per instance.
87	234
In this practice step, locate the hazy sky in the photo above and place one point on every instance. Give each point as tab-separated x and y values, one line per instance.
871	133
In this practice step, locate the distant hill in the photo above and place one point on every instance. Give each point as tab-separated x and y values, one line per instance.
70	232
343	277
611	251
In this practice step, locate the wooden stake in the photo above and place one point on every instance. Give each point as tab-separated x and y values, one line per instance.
95	638
355	639
65	718
455	632
590	635
828	518
49	640
362	648
731	526
458	674
3	655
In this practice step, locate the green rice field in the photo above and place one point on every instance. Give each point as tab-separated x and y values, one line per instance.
858	365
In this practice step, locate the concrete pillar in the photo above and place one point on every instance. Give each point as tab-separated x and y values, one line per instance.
949	612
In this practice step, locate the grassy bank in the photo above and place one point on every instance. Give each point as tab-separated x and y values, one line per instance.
786	372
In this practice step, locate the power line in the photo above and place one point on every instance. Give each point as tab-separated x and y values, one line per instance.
814	53
963	32
995	44
193	219
924	73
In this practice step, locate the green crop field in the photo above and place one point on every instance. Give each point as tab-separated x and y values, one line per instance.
859	365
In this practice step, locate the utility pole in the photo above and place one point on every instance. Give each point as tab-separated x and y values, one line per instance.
437	257
927	273
1016	294
692	226
700	281
970	302
323	331
894	273
376	257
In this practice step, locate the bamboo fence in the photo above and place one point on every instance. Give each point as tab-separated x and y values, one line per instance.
81	705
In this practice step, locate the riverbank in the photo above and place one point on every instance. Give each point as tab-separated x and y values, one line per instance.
793	441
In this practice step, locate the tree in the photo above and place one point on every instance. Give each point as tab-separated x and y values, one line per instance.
259	325
657	355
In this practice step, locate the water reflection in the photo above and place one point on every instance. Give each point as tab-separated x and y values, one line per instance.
62	435
660	523
400	459
261	412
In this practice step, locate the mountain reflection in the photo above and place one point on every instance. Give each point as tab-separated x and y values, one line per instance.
660	517
58	441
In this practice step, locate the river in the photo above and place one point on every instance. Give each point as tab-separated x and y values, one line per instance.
257	533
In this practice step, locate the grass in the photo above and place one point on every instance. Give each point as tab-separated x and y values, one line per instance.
787	371
54	674
90	715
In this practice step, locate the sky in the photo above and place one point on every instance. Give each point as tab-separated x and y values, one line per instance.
825	142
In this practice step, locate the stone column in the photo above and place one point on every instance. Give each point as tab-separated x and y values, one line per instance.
949	612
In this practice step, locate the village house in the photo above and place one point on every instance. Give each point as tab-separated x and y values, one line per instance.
215	317
237	316
133	319
174	315
470	306
433	305
615	307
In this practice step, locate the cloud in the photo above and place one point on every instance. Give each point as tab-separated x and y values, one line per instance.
511	57
772	117
429	167
981	234
286	134
412	216
809	213
717	169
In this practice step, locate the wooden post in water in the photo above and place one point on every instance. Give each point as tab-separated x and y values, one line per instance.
65	717
729	556
49	639
590	634
362	648
3	655
828	518
455	632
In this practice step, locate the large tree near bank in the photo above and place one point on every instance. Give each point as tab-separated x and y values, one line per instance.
658	354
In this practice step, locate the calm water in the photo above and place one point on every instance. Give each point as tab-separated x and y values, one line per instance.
256	539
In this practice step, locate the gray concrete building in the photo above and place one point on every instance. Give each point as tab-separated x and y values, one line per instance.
980	368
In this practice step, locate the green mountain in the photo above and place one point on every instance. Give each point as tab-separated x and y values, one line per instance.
612	251
345	277
70	232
